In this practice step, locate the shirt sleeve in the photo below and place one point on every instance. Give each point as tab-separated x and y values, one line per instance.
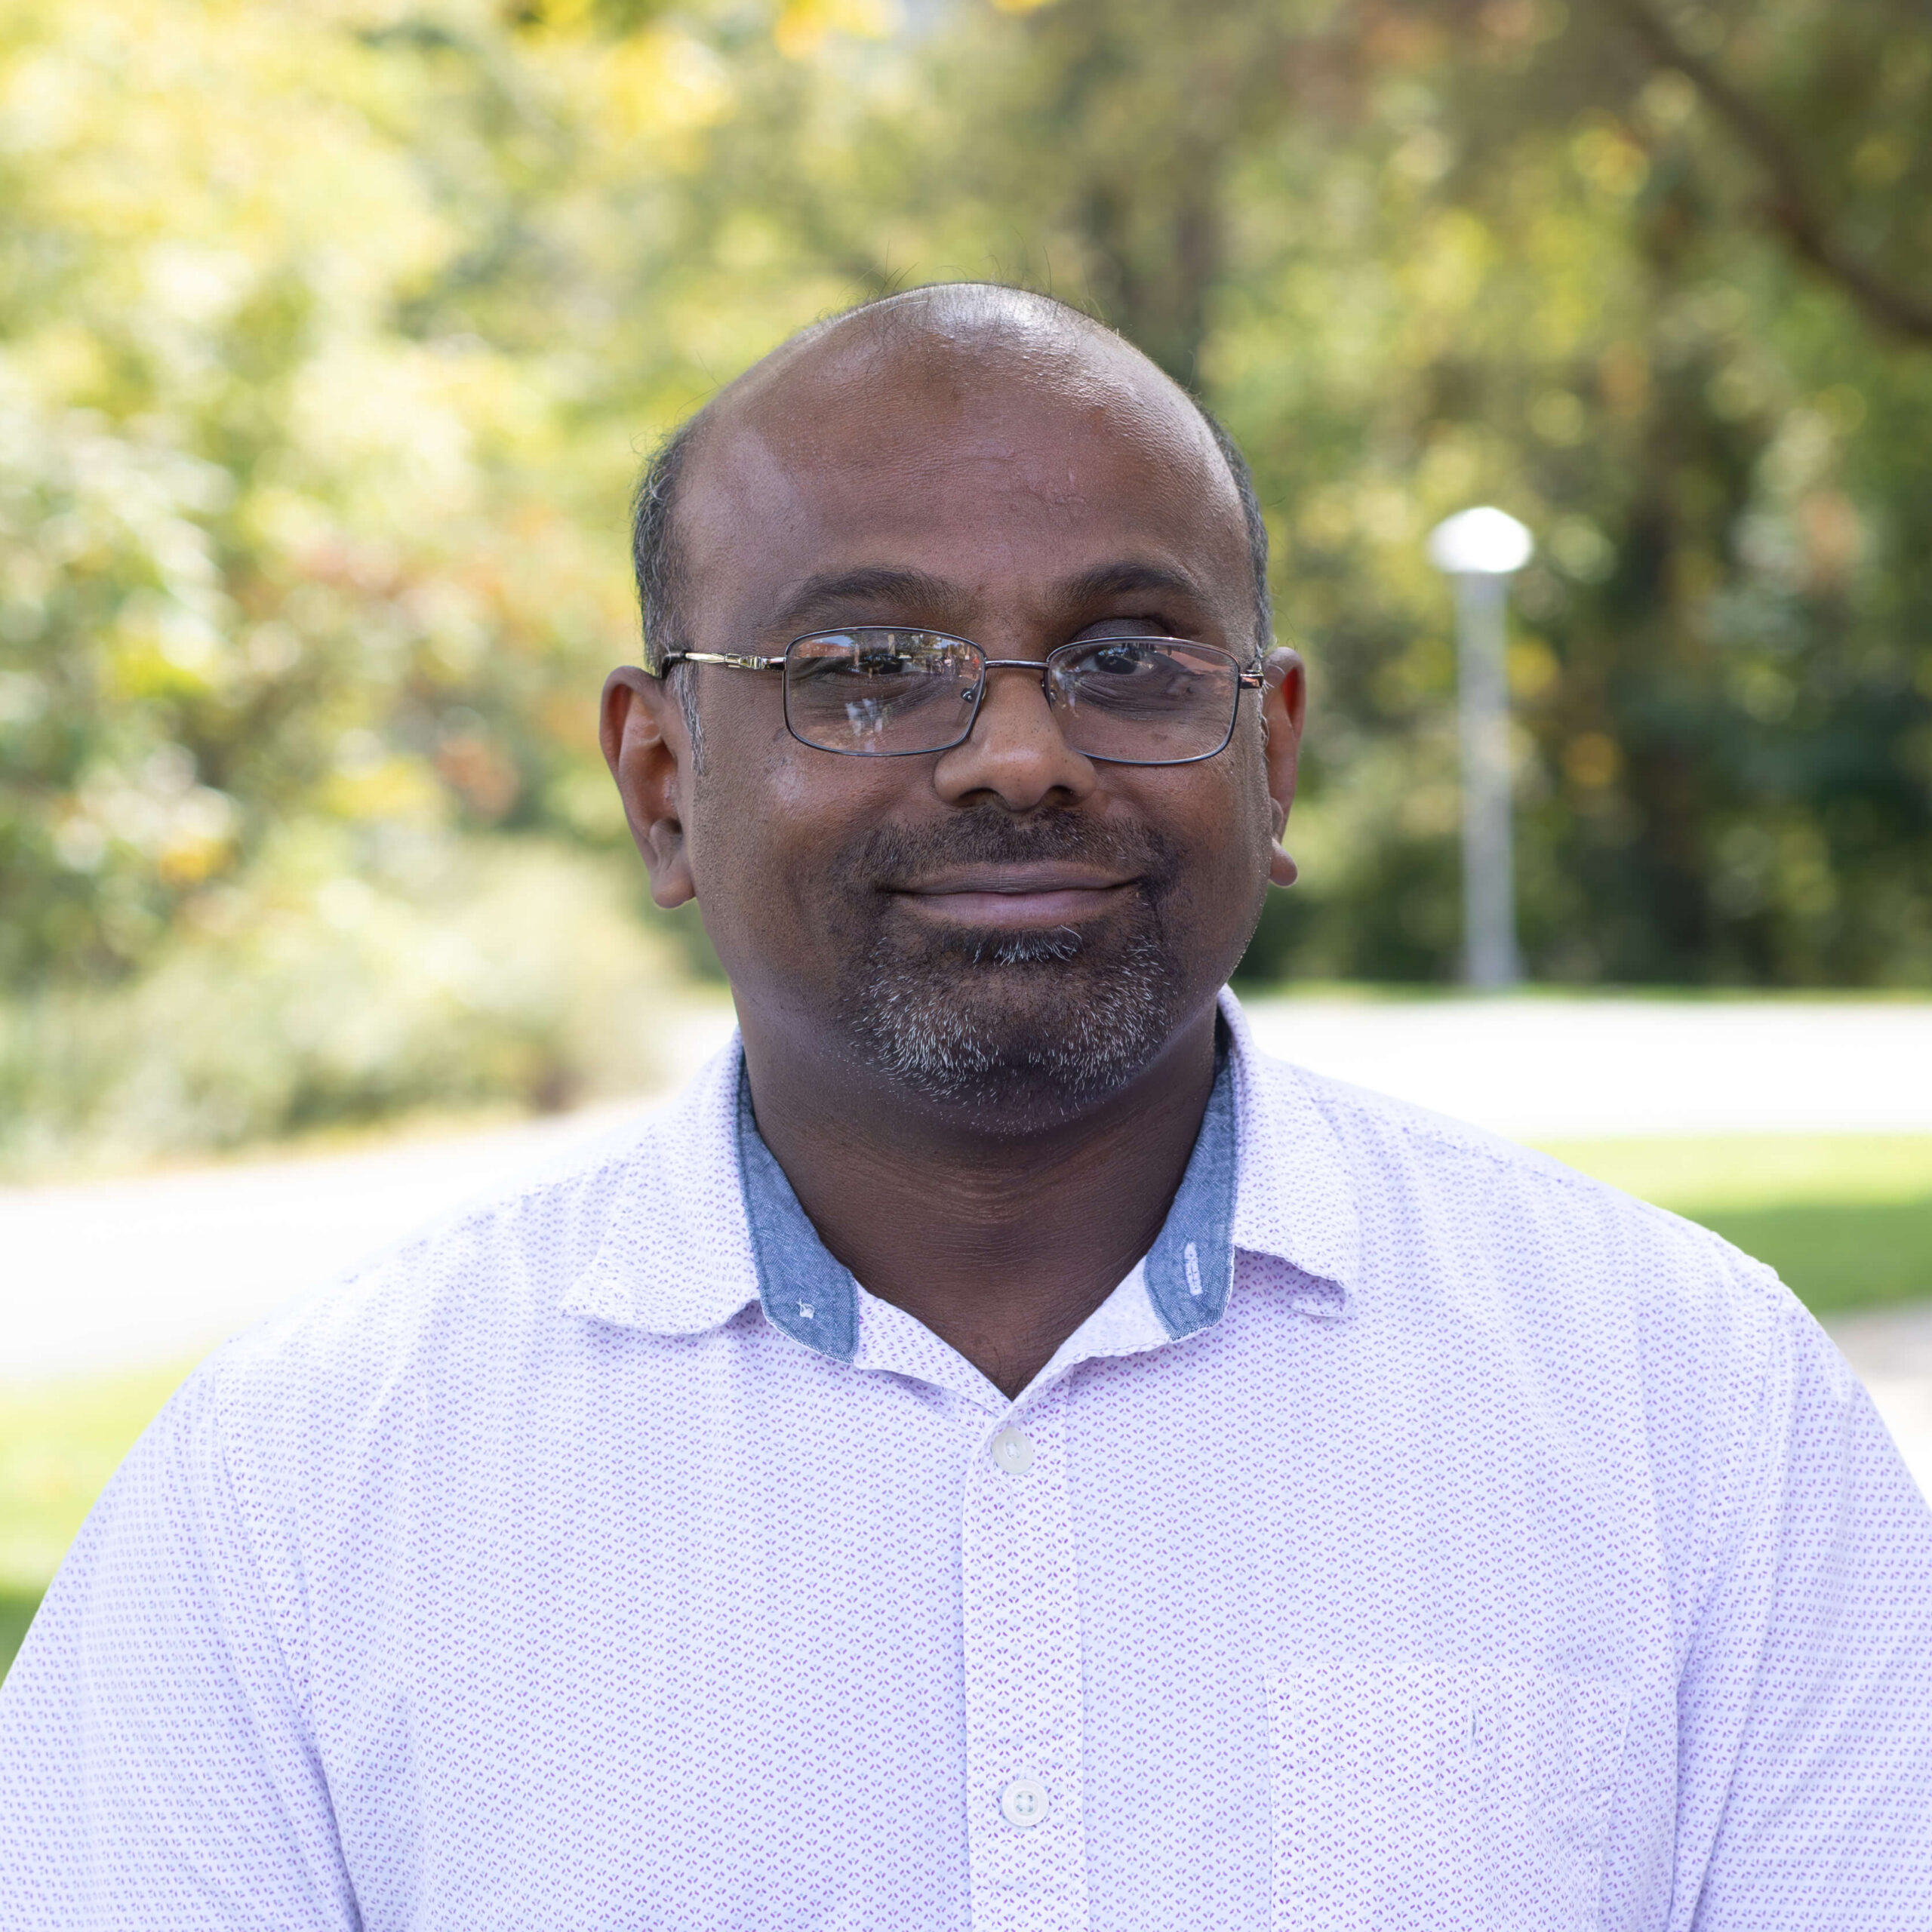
1805	1704
155	1766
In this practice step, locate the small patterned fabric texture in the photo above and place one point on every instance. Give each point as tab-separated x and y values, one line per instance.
1507	1556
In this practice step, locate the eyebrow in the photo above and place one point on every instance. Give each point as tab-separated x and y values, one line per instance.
820	596
1128	576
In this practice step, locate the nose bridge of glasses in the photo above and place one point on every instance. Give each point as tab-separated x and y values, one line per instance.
1041	671
1041	667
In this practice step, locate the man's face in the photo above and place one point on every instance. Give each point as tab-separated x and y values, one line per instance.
1007	925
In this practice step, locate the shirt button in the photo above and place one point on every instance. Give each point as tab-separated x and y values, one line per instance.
1024	1802
1012	1451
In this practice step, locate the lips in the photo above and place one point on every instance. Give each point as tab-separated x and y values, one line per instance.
1017	896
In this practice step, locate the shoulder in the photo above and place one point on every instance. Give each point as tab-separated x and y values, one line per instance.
652	1205
489	1268
1643	1352
1460	1172
1454	1216
446	1338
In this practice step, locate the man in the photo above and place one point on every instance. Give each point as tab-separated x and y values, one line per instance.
999	1452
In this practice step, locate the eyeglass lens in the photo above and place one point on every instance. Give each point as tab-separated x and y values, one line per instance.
876	692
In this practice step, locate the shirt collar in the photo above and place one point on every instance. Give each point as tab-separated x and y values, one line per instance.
1295	1195
1188	1270
1266	1175
674	1256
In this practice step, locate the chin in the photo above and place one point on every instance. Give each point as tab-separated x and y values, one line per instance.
1033	1021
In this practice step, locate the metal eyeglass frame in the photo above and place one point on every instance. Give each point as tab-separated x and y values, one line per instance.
732	660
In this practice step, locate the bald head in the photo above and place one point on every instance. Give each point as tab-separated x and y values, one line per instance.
961	347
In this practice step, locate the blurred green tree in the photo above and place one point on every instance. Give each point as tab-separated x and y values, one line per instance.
1652	276
331	334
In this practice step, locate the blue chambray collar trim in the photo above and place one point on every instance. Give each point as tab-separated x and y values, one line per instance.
1190	1269
804	1291
813	1298
686	1178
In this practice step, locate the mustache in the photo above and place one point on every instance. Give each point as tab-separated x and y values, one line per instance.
890	856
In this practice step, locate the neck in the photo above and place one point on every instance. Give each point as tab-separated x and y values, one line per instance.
1001	1236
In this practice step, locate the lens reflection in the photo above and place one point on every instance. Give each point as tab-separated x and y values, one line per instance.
1145	700
878	692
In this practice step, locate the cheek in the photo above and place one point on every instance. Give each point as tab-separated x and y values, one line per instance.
1224	875
1227	809
771	819
1250	805
744	819
751	823
792	794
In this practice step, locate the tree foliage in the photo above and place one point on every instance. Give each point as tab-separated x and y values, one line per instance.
331	334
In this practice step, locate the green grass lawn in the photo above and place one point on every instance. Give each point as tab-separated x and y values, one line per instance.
1846	1219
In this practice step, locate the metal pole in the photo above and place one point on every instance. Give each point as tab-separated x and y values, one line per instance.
1489	891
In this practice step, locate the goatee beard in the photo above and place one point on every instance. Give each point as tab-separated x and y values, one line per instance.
1025	1020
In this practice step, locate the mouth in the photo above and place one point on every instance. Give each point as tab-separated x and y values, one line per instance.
1008	898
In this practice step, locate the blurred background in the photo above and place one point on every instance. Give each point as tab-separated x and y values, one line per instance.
332	334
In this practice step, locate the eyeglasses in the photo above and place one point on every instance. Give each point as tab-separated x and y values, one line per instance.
878	692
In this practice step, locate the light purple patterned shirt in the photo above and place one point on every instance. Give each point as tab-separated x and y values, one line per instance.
1423	1535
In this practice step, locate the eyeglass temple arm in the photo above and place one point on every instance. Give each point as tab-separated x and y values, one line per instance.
735	662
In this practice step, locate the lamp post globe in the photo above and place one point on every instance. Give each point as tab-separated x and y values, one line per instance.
1483	542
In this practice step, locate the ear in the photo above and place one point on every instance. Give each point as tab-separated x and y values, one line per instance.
1284	708
646	744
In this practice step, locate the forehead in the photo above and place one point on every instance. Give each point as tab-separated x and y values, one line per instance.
1002	467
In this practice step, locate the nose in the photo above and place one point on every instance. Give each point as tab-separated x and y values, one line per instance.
1015	753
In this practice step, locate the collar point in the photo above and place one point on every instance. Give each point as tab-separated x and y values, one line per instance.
608	1296
1334	1305
1324	1296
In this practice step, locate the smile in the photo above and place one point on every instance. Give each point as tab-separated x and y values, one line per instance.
1012	897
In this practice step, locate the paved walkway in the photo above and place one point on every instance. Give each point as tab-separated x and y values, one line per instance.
115	1274
1545	1068
1893	1355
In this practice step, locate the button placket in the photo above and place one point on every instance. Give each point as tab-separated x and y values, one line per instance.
1026	1835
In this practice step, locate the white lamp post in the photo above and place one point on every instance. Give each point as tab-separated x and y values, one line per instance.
1482	549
